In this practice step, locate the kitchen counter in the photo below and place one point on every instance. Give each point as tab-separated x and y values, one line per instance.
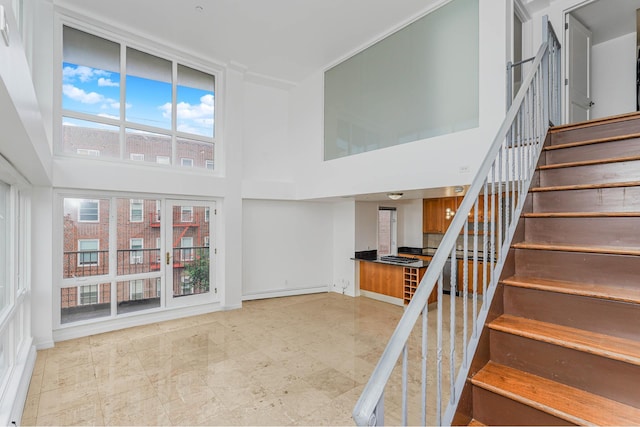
394	279
418	263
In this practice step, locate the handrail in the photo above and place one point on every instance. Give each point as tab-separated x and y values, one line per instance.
499	189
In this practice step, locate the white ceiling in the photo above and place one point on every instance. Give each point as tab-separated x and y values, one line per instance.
282	39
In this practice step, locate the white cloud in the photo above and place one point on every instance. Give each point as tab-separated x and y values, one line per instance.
115	104
80	95
82	73
196	119
107	83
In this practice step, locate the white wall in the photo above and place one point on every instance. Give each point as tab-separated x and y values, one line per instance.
613	73
286	247
433	162
366	229
344	231
409	223
613	77
266	131
23	140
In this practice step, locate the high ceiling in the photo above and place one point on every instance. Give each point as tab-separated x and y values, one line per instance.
282	39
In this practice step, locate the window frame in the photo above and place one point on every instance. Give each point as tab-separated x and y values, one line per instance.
81	292
183	211
186	254
134	284
131	210
97	253
136	256
97	201
111	277
177	58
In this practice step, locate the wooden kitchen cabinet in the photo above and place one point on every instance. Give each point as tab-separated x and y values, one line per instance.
479	275
385	279
438	213
432	216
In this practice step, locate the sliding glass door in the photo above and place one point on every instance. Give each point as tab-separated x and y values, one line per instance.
124	255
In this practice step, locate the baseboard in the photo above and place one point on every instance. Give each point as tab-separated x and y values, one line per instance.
284	293
381	297
102	326
15	395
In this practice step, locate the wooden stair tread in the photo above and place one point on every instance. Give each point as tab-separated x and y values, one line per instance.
608	292
577	248
591	142
595	122
589	162
580	214
603	345
562	401
586	186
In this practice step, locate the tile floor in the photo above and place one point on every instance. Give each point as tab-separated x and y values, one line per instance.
299	360
283	361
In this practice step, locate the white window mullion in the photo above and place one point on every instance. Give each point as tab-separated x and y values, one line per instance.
123	99
174	113
113	254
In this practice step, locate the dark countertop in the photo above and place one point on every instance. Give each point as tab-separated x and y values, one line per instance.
418	263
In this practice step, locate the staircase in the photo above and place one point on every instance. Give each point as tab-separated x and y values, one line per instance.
562	342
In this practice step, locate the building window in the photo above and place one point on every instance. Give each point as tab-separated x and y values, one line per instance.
136	256
88	294
89	211
206	241
209	164
186	287
186	243
157	210
88	252
156	88
186	214
136	210
163	160
206	214
186	162
136	289
88	152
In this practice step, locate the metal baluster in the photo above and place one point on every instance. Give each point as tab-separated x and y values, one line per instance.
425	348
405	362
452	326
439	354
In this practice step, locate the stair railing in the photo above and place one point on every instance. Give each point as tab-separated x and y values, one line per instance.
476	244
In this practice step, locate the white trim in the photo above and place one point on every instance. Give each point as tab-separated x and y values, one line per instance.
381	297
18	386
426	11
138	318
110	31
285	293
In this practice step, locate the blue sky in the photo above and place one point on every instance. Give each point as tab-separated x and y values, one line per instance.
97	92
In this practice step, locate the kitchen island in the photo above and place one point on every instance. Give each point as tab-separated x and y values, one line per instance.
393	279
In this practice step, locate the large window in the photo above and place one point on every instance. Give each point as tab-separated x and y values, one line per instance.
165	113
419	82
115	263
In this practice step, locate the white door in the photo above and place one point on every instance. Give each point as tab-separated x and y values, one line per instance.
578	71
189	261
